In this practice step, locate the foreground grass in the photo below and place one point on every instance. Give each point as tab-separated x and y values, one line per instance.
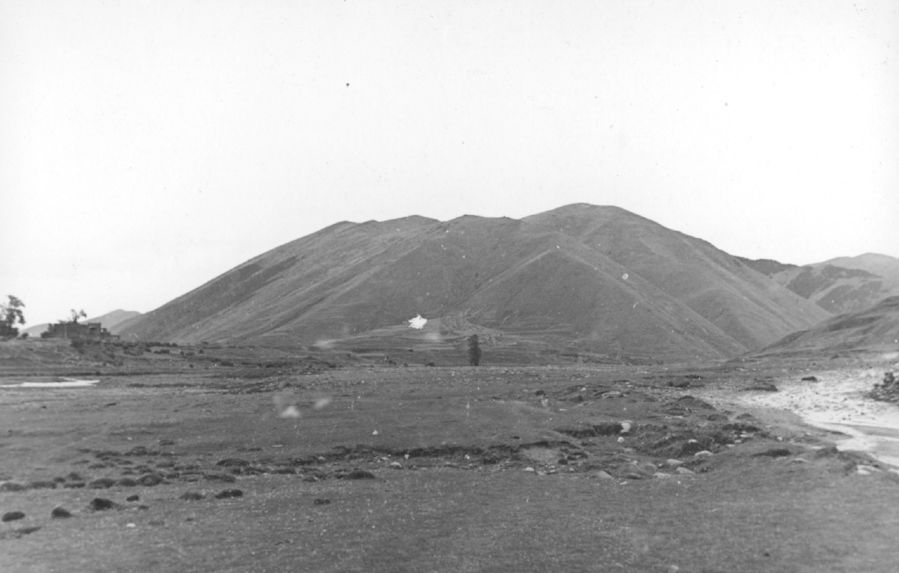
494	469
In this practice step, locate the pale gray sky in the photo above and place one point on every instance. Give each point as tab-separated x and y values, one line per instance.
146	147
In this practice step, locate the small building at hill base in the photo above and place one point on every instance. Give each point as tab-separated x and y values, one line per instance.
77	331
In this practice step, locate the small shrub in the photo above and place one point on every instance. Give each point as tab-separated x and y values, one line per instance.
474	350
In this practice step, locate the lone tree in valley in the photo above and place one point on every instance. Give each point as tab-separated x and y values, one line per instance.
10	315
474	350
77	315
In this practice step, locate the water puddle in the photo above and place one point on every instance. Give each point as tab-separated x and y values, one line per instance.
61	383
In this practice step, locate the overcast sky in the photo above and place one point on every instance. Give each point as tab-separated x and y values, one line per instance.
146	147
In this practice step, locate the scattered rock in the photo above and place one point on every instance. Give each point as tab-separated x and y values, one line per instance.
74	485
42	484
321	501
101	483
684	471
127	482
661	475
360	474
865	469
60	513
528	469
827	451
226	493
192	496
227	478
886	391
102	504
12	486
150	480
134	497
12	516
702	454
809	378
761	386
250	470
774	453
396	465
602	474
17	533
283	471
691	447
232	463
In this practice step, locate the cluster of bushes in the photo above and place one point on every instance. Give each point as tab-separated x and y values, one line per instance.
888	390
96	350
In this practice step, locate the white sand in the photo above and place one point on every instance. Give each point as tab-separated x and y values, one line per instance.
836	402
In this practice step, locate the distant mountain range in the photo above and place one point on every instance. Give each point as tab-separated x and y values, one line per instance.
585	278
845	284
873	329
113	321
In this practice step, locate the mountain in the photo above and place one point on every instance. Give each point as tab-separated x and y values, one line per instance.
882	265
874	329
116	320
113	321
768	267
845	284
583	277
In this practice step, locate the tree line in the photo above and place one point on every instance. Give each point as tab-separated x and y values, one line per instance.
12	316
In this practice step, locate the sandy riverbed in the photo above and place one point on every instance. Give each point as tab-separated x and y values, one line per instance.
837	402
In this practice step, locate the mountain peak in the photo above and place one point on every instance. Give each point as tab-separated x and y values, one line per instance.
594	278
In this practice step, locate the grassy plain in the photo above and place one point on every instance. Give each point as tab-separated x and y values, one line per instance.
360	468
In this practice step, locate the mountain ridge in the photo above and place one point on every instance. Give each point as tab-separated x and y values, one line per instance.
598	278
839	285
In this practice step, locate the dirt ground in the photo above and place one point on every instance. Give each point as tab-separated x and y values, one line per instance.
567	468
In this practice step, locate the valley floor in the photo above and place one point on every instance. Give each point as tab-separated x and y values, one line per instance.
435	469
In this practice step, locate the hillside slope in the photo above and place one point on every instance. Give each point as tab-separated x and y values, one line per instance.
599	278
875	328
